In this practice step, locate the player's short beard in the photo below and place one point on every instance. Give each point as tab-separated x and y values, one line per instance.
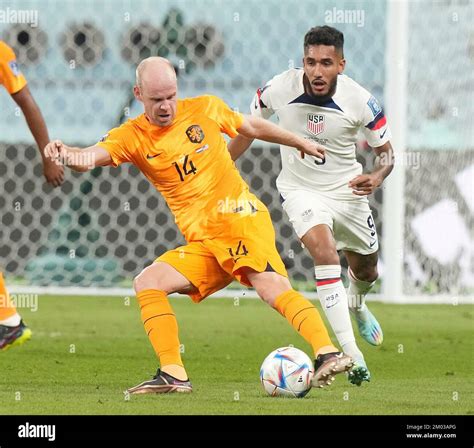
331	91
309	90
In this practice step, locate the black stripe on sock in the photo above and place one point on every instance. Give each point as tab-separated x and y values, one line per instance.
158	315
309	308
301	323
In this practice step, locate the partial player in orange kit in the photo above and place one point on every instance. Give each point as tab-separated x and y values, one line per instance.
13	331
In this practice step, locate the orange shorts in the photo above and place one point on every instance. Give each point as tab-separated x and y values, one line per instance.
211	264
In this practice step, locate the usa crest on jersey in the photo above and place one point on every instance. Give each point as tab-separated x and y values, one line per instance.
315	123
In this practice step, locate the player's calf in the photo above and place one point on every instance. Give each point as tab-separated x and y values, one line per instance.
153	286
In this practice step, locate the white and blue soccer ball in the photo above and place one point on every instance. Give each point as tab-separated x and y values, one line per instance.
287	372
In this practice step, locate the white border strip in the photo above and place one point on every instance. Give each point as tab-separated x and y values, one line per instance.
393	207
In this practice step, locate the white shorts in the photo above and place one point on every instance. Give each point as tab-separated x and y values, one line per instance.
351	222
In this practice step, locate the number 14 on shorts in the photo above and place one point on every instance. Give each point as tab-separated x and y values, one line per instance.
240	251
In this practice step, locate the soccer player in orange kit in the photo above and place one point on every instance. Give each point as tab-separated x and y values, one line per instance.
12	329
178	146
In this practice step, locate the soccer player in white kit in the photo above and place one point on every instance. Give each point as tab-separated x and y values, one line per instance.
326	199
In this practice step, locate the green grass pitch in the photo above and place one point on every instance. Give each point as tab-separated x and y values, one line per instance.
86	351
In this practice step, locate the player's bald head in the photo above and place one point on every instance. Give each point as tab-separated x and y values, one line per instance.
155	71
157	89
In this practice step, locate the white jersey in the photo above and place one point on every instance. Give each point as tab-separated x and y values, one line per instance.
333	123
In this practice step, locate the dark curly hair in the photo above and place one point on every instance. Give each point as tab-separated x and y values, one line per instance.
325	35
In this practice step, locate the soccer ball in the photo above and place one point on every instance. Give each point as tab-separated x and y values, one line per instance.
287	372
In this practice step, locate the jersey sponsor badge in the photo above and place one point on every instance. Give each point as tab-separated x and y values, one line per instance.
14	68
374	106
195	133
315	123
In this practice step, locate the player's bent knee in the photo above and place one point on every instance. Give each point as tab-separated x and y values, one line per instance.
149	278
367	274
265	294
140	282
271	287
372	275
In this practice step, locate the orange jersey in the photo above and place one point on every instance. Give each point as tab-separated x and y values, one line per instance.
188	162
10	75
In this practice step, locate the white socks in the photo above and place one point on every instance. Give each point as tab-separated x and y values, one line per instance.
12	321
357	292
333	298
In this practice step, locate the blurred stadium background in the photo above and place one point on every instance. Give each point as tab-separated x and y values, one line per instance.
101	228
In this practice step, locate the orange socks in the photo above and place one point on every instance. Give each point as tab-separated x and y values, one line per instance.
6	307
162	329
305	319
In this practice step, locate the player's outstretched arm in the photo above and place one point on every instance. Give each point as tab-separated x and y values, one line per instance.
255	127
53	173
77	159
238	145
